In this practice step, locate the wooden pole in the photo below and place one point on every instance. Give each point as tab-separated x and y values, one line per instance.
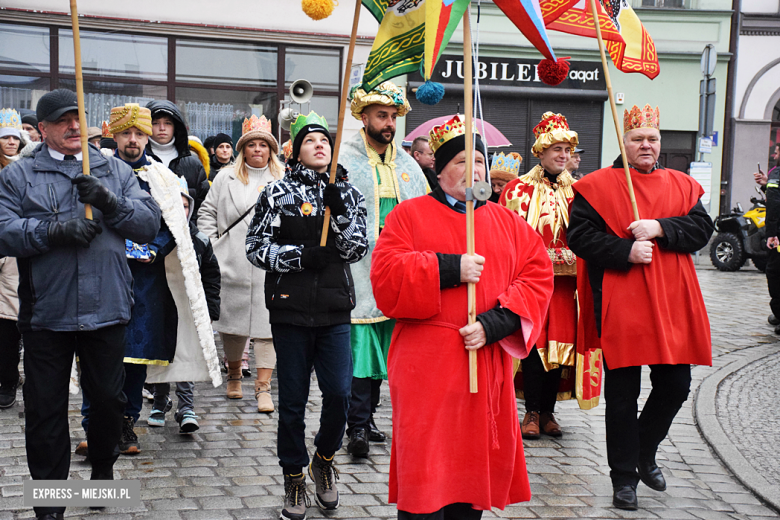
342	110
467	103
615	118
74	17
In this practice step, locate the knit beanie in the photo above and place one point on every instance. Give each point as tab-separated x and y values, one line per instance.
446	152
222	138
303	132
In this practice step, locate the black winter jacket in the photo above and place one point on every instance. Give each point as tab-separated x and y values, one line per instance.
209	269
185	165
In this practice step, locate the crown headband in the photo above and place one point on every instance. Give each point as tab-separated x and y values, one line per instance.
10	118
312	118
254	123
644	118
447	131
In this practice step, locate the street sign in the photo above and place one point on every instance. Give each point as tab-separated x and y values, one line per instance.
356	75
707	89
702	173
705	145
709	58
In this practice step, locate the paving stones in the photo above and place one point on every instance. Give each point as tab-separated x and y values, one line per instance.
229	468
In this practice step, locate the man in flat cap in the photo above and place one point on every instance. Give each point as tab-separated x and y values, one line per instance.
385	178
75	290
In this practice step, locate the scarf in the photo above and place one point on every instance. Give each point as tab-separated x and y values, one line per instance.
388	186
547	195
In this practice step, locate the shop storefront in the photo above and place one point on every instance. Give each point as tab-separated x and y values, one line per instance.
514	99
216	83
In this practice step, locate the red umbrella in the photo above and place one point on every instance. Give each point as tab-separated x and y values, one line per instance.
492	137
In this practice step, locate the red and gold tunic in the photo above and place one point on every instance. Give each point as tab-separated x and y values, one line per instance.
545	206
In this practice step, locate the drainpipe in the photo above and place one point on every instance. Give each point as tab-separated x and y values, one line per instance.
728	128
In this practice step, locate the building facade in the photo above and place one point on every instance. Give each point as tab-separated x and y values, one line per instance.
221	62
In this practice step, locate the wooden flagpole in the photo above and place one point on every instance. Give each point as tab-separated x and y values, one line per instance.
467	103
342	110
74	16
595	14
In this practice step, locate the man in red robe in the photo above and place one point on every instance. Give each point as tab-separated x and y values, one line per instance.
542	197
454	453
639	296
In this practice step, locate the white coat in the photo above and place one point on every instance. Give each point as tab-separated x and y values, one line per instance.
242	311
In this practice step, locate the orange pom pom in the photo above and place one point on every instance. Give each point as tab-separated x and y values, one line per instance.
318	9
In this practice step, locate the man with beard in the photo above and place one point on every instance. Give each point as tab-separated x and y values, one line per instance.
385	177
170	146
75	289
421	151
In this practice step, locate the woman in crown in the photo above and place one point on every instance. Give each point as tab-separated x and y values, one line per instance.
224	217
542	197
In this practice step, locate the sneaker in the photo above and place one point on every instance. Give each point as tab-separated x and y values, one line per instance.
128	442
157	416
358	443
8	395
188	422
295	498
147	394
323	473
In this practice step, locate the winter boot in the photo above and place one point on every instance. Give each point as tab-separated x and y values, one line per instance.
263	390
295	498
324	475
234	381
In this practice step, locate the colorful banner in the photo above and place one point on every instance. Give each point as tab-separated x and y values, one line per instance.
441	19
527	16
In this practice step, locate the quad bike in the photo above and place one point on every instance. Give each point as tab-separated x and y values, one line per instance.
741	235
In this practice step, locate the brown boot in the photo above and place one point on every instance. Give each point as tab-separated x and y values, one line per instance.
549	425
263	390
530	426
234	381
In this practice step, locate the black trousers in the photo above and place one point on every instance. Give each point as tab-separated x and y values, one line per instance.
48	357
773	280
362	402
457	511
631	439
9	353
539	387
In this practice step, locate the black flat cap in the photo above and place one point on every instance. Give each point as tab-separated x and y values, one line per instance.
52	105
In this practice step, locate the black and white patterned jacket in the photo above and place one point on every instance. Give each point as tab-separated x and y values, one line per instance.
288	217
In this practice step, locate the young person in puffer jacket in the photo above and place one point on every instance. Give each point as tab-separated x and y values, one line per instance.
309	293
169	144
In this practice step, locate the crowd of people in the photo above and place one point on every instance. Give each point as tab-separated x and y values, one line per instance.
356	272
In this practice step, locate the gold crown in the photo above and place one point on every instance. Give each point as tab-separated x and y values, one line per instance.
10	118
644	118
107	130
132	114
449	130
255	123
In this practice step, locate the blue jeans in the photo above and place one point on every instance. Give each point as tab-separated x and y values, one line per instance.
298	349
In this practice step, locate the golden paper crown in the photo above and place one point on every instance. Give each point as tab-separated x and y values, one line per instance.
106	130
287	149
644	118
449	130
505	167
255	123
132	114
552	129
10	118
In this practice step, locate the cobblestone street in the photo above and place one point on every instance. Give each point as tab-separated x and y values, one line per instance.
229	468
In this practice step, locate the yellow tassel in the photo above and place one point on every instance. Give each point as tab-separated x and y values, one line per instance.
318	9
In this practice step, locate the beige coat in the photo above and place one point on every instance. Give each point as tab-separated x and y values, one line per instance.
242	310
9	283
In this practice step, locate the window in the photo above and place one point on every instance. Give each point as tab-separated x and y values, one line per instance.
101	96
679	4
227	63
22	91
116	55
24	48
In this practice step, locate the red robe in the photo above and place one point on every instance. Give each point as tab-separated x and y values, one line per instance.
450	445
556	343
653	313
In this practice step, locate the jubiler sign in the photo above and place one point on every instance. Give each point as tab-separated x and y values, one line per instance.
515	72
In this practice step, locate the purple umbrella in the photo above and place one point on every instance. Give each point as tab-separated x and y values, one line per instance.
493	138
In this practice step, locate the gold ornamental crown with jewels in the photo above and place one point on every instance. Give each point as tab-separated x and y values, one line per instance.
257	128
552	129
449	130
506	167
132	114
10	118
641	118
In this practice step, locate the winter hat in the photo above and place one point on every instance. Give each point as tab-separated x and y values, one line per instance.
303	126
57	102
222	138
449	139
257	128
28	117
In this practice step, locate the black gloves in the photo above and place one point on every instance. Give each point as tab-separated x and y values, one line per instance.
92	191
74	232
332	197
317	257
